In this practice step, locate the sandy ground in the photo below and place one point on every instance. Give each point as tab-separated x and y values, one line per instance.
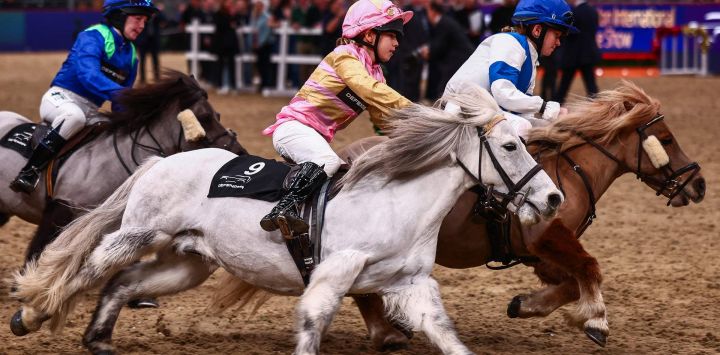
661	265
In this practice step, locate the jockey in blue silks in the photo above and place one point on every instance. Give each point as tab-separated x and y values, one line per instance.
101	62
505	63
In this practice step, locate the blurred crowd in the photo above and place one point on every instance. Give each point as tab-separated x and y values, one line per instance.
438	40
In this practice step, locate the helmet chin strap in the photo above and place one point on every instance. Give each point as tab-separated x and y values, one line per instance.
117	21
539	39
374	46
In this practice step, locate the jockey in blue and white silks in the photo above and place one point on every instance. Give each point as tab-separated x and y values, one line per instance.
101	62
505	63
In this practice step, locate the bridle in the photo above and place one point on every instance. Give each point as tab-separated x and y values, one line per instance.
204	142
671	186
495	202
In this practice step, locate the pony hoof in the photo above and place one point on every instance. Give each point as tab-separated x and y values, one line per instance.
393	342
513	310
597	336
103	352
16	325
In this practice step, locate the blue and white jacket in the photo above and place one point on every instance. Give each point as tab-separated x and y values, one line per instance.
100	63
505	65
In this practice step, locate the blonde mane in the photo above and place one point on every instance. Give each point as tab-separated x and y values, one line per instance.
601	118
423	137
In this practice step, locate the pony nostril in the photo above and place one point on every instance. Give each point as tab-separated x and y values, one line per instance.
700	186
554	200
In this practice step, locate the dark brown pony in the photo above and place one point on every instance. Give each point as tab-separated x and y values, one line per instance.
584	152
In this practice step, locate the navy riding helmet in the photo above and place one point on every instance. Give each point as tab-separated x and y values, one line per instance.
552	13
117	11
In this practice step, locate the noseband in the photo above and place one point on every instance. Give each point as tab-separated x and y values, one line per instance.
495	202
671	186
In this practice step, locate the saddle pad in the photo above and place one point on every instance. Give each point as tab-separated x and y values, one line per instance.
18	139
251	177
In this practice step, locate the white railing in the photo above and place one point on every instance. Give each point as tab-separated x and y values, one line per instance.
685	53
282	58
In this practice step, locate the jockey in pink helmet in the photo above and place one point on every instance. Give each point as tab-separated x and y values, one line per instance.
347	82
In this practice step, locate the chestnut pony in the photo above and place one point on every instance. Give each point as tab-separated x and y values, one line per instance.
620	131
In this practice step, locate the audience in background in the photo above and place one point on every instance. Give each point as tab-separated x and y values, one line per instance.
225	46
580	51
149	43
448	49
501	17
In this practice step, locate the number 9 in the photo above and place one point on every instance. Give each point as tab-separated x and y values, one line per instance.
254	169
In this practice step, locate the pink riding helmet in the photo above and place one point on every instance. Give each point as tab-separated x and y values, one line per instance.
368	14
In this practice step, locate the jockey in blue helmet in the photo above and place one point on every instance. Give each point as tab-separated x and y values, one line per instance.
101	62
505	63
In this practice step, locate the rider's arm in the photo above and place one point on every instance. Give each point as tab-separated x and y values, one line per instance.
506	60
380	97
90	49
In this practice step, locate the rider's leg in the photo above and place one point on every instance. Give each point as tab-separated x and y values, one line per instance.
67	118
317	161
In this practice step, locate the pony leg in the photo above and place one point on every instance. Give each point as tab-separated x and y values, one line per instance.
116	250
318	304
545	301
57	214
4	218
383	334
419	307
559	247
170	273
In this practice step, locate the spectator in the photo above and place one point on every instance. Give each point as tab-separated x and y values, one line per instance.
242	19
548	85
580	51
448	49
305	15
225	46
501	17
149	43
470	18
192	12
405	67
332	26
262	42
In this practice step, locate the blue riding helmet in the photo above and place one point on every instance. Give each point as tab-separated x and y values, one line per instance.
553	13
129	7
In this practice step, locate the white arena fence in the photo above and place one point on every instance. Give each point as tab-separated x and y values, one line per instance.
282	58
685	52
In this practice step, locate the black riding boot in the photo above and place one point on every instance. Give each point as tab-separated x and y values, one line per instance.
307	180
28	178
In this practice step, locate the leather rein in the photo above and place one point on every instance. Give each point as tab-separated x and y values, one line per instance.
496	202
670	187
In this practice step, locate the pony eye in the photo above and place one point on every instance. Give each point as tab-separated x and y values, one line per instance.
510	147
666	141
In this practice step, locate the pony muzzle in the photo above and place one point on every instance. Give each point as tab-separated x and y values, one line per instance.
191	127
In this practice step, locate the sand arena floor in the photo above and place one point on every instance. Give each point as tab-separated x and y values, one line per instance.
661	265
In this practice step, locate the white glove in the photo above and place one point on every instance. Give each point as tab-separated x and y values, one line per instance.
552	110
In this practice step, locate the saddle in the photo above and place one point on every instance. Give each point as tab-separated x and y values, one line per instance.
25	137
263	179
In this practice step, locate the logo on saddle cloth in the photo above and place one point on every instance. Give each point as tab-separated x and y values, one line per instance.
250	176
19	139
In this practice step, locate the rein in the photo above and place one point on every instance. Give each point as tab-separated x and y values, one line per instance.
490	203
157	148
670	184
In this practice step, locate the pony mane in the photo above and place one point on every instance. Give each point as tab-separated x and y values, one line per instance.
144	105
601	118
422	137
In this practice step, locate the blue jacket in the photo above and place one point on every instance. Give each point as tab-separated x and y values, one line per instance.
100	63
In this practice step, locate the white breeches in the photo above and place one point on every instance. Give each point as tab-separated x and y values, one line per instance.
61	106
301	143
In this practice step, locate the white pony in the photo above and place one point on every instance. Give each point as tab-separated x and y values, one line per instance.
380	231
